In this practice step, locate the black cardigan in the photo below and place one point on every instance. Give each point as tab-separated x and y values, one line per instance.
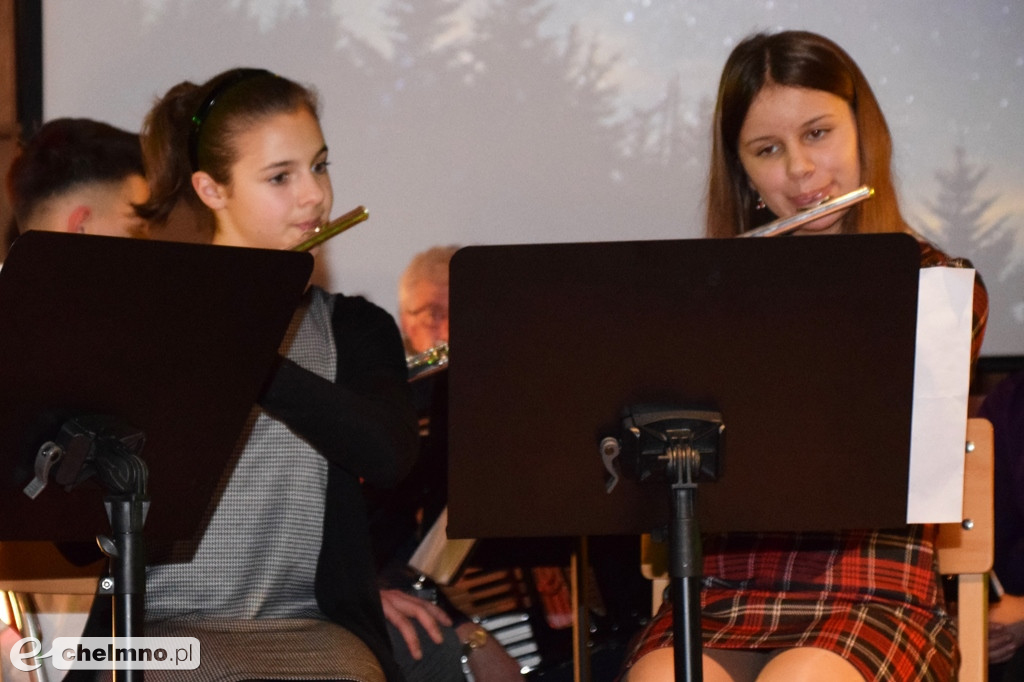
364	424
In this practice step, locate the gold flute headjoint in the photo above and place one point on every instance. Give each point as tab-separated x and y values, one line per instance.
333	228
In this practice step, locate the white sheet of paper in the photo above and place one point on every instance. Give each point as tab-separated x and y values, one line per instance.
941	384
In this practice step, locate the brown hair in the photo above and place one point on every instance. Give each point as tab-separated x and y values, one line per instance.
67	153
194	127
804	60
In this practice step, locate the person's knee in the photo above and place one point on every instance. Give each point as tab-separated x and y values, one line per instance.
653	666
718	665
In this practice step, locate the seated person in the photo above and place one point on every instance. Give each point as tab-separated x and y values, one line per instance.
796	122
79	175
284	554
82	176
1004	407
400	517
423	299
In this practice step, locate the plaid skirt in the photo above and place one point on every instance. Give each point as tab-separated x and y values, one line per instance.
873	597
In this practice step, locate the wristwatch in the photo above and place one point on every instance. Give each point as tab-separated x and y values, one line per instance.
476	639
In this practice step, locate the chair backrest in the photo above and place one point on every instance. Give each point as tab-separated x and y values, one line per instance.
39	567
964	550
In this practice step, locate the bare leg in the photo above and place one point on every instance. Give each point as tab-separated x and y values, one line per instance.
808	664
719	665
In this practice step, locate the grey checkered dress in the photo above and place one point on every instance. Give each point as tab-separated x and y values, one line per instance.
257	557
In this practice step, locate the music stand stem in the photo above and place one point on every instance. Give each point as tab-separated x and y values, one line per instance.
685	558
126	581
127	562
580	563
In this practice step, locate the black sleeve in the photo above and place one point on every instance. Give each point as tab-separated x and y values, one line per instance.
363	422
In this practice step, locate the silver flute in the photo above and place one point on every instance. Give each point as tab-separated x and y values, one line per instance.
787	225
428	362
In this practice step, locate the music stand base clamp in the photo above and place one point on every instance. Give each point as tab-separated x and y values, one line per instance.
104	448
126	508
680	447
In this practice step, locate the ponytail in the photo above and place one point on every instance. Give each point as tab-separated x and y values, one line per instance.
165	152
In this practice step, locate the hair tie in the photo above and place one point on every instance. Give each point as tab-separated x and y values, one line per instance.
203	111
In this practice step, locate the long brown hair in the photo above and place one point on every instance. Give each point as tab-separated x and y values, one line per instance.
194	127
804	60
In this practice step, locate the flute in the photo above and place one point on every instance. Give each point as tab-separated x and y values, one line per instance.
333	228
786	225
428	362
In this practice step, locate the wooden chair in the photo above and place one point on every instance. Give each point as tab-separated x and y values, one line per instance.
964	550
30	570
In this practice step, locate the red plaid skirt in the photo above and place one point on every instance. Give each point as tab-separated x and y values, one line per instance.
873	597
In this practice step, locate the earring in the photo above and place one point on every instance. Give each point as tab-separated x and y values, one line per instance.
759	204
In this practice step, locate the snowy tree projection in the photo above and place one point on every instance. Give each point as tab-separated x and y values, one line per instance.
509	121
963	224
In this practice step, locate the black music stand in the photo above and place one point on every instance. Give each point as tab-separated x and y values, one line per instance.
124	343
804	347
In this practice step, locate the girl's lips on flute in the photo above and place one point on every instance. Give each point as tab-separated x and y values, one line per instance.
322	233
